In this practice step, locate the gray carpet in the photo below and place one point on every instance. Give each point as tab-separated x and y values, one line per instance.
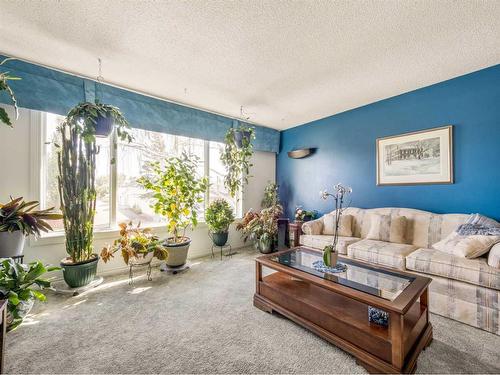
203	321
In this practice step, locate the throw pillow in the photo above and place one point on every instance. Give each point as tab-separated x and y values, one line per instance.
345	225
387	228
312	227
494	257
466	246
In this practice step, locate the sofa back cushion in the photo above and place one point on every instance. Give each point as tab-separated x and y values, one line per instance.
423	229
345	225
387	228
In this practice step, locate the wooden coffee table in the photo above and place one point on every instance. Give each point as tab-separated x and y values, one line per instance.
335	306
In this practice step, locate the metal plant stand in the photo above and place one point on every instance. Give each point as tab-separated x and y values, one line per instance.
18	258
136	265
229	252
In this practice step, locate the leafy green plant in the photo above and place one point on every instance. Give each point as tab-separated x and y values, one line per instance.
16	281
20	215
134	243
304	215
176	192
270	195
254	225
76	160
218	216
4	86
236	159
85	117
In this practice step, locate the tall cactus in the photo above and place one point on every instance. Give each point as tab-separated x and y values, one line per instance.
76	182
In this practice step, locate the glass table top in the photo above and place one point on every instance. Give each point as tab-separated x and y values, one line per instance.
380	283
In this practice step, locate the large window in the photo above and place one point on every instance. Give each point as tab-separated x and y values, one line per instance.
119	197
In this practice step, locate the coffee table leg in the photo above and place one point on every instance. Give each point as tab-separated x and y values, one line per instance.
258	277
396	326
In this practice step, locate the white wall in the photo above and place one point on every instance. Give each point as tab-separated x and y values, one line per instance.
18	178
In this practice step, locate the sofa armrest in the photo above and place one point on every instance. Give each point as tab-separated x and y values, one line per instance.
313	226
494	256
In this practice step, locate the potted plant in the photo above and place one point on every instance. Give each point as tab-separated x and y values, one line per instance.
16	281
19	219
4	86
330	253
218	216
98	119
262	227
176	193
236	158
304	215
76	159
137	246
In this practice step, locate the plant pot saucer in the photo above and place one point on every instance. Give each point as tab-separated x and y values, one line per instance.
174	270
60	287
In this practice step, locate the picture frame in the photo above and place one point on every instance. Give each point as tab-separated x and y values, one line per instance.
421	157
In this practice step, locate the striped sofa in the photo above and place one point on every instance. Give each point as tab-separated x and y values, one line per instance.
467	290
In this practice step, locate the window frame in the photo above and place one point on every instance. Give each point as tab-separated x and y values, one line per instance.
38	157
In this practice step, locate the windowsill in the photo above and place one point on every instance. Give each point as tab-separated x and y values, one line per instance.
57	238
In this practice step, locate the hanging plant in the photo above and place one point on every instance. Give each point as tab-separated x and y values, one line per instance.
97	119
236	158
4	86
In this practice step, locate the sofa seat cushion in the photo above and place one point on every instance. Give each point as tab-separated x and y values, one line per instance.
386	254
320	241
435	262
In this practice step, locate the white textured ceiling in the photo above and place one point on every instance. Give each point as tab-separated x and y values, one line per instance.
286	62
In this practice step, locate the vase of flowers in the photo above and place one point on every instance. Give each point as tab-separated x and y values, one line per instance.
330	253
302	215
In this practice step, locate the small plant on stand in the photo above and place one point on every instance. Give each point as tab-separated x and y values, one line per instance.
304	215
219	216
330	254
138	246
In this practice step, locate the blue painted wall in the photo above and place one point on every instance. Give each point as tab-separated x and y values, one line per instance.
346	149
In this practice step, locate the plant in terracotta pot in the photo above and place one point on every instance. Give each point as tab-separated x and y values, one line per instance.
218	216
236	158
5	77
16	286
177	191
137	246
19	219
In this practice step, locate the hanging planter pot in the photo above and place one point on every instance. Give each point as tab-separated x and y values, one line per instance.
99	120
242	137
104	126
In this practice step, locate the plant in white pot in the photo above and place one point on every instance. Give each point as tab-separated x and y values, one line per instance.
177	191
19	219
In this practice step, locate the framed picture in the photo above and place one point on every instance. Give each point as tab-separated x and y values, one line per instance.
423	157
